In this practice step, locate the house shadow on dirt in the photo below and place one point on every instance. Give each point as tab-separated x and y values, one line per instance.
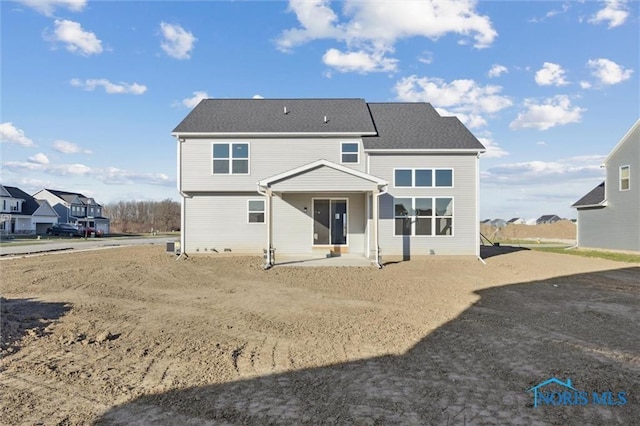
475	369
26	318
491	251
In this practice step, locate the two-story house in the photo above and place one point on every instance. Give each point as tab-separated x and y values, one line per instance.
76	209
609	215
20	213
327	175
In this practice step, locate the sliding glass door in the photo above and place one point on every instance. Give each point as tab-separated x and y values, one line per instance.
329	222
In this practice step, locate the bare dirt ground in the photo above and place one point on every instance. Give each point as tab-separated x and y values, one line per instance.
132	336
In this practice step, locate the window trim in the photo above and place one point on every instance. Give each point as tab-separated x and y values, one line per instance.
264	211
357	153
433	177
433	217
628	167
230	158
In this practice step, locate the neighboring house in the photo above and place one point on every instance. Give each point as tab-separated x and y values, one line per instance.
327	175
549	218
486	221
516	221
23	214
75	208
498	223
609	215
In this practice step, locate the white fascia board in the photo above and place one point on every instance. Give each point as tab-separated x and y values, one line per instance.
320	163
269	134
424	151
587	206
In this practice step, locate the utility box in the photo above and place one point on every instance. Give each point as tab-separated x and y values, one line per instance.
173	247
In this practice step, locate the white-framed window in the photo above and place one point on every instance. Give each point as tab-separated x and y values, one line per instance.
230	158
349	152
255	211
625	178
423	178
423	216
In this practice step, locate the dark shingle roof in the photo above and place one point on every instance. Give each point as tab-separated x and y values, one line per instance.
268	116
390	125
417	126
30	204
594	197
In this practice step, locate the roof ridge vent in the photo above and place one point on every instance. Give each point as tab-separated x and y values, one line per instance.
325	120
285	110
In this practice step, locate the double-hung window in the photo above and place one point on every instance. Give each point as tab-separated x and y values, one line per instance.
255	210
423	178
231	158
423	216
349	152
625	178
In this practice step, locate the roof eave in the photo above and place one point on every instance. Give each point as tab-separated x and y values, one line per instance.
269	134
621	142
587	206
424	150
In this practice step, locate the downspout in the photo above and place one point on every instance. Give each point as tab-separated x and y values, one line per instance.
183	196
269	261
376	227
478	210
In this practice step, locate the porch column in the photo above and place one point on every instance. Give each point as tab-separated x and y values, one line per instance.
269	211
376	216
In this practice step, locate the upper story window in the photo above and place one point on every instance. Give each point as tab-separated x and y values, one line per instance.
625	178
423	178
349	152
231	158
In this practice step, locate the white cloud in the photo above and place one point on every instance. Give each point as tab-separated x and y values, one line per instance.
426	58
465	99
551	75
553	112
359	61
178	43
11	134
497	70
39	158
493	149
107	175
258	97
109	87
541	143
67	147
48	7
540	172
615	13
76	39
608	72
585	85
194	100
552	13
371	29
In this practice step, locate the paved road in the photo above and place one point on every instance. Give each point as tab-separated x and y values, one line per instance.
8	250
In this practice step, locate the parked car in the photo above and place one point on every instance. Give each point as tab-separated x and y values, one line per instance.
88	231
65	229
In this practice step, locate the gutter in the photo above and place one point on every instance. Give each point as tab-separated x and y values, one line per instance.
269	261
376	225
183	220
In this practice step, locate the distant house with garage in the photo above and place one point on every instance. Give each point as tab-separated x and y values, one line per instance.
609	214
76	209
548	218
22	214
516	221
306	176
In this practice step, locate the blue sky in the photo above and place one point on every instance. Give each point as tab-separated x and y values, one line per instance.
92	89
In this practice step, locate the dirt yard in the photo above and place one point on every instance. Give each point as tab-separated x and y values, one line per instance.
131	336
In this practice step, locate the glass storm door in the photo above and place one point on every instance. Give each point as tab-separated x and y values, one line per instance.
329	222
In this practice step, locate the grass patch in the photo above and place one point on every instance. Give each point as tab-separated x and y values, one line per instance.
620	257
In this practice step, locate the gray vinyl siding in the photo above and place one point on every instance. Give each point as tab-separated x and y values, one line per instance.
463	192
293	227
616	226
267	157
220	221
324	179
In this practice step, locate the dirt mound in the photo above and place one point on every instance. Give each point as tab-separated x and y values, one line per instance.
562	230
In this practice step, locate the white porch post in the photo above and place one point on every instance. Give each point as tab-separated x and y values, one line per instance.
269	209
376	215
